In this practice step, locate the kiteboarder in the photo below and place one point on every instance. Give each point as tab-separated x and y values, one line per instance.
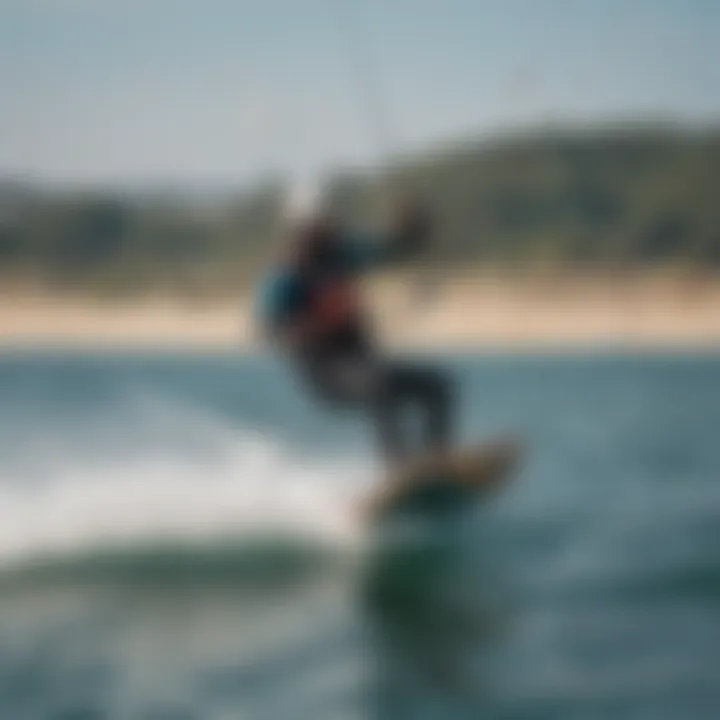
309	308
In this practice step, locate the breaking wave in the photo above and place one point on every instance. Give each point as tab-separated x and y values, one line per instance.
162	492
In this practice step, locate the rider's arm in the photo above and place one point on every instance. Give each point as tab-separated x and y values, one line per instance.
405	241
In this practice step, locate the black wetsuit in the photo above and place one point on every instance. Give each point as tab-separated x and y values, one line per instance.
340	362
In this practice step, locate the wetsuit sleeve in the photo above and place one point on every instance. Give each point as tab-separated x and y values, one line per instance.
365	254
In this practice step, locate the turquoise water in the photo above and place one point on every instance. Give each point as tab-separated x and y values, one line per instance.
178	540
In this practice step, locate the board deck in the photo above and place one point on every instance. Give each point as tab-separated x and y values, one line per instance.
437	481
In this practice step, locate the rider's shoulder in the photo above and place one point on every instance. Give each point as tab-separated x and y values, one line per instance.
280	282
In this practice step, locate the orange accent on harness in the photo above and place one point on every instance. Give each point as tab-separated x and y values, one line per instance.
336	303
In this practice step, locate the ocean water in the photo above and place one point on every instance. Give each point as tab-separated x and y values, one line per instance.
179	540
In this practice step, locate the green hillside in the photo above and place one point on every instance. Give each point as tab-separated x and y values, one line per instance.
630	197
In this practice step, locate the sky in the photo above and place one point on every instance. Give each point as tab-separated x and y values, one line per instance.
203	91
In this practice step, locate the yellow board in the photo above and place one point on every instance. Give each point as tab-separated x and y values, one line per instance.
436	480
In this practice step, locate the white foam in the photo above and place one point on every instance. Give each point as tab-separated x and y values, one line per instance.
172	473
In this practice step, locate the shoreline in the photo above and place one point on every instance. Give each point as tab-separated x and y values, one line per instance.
470	313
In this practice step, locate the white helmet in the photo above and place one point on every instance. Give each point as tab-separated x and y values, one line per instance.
304	204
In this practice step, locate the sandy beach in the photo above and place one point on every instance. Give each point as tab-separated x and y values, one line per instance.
471	312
